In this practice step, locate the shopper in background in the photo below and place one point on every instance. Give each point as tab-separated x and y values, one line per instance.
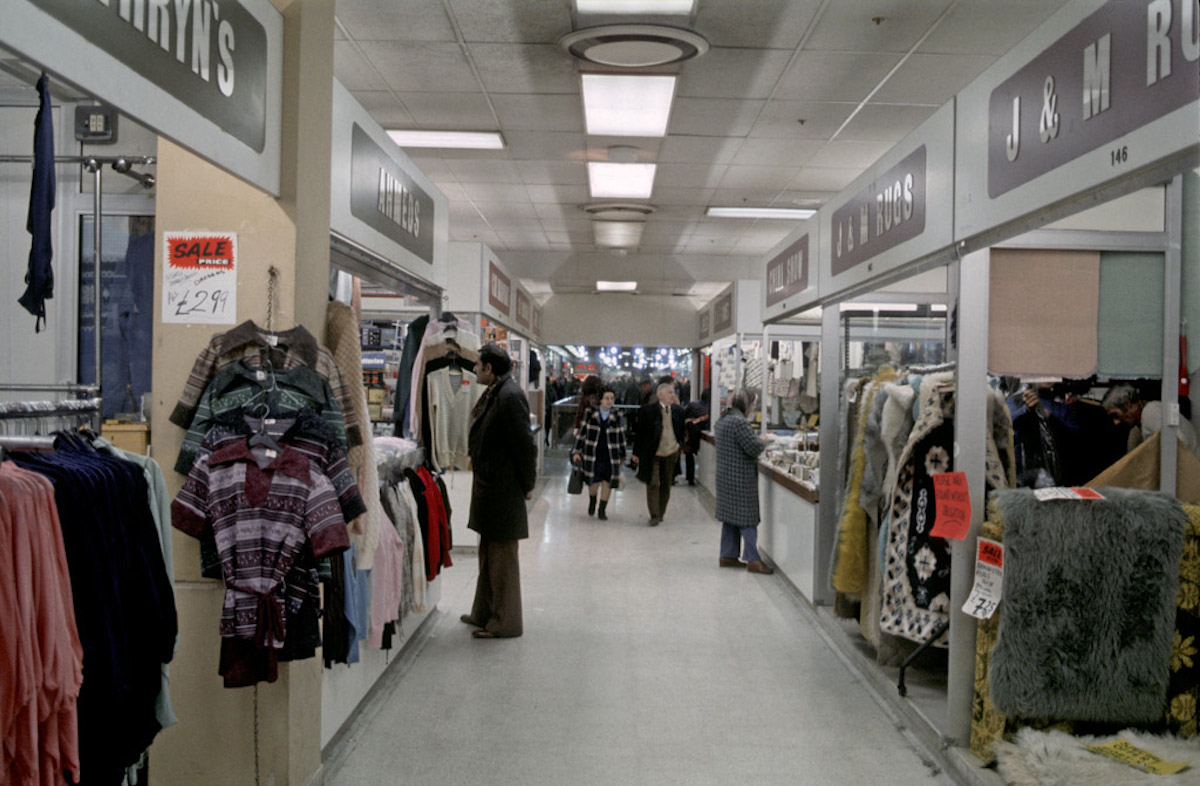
504	458
695	416
647	388
600	450
737	486
667	379
589	396
660	433
1143	418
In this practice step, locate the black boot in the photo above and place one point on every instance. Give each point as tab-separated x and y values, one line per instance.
603	505
591	505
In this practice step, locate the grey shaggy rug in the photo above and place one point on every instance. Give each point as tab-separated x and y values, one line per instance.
1055	758
1089	606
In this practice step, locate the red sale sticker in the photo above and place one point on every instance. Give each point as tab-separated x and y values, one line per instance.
952	503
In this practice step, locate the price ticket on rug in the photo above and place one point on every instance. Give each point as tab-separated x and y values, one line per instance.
989	575
1139	758
1074	494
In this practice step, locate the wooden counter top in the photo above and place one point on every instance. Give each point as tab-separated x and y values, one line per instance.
788	482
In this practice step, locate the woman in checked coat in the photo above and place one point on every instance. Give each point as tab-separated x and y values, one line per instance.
600	449
737	486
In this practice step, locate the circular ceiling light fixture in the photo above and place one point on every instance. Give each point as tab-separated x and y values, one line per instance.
634	46
618	211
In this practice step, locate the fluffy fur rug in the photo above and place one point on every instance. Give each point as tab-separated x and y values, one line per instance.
1055	758
1089	606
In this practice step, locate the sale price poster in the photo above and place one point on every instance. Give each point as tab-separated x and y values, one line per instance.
200	278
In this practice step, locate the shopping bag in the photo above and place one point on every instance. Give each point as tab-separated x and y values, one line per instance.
575	484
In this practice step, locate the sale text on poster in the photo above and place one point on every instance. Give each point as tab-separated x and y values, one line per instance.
200	278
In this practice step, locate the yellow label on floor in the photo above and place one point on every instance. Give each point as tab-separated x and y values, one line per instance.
1134	756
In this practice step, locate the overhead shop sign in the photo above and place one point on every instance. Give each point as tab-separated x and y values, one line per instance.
386	198
537	322
206	73
705	323
897	212
524	310
499	289
787	273
722	312
1096	94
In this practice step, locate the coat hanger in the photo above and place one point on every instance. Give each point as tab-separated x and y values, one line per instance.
262	436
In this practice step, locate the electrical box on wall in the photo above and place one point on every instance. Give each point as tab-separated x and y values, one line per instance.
96	125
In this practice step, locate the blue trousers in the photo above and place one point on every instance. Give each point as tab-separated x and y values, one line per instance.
730	535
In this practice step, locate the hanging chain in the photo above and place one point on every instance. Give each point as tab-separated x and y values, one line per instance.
273	276
256	780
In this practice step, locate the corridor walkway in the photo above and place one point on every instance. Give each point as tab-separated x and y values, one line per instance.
642	663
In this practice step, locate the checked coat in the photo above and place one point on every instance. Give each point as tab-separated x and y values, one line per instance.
589	438
737	470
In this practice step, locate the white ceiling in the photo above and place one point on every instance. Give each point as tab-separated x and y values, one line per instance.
794	99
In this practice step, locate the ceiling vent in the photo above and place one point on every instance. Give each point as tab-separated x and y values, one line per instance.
634	46
618	211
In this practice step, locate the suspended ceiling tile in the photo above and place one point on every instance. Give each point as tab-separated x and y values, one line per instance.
689	175
449	111
680	196
422	67
755	23
824	179
569	194
732	73
932	79
519	112
527	21
527	226
502	211
849	27
453	191
713	116
834	76
781	119
395	20
519	240
353	70
558	238
885	122
849	155
554	172
545	145
432	165
470	171
991	28
529	68
564	214
764	178
781	153
805	199
384	108
493	193
697	150
681	213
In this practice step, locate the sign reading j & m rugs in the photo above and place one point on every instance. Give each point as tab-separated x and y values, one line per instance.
200	278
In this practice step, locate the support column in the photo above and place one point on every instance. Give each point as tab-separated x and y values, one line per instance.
971	424
1172	304
831	435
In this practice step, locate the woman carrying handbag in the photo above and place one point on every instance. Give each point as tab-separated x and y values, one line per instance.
600	450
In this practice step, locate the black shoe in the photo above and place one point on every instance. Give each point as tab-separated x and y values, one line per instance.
654	522
591	505
603	516
691	482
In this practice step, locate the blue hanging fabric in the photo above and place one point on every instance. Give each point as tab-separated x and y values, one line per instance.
40	278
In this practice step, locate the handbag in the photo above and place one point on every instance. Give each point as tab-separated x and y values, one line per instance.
615	482
575	484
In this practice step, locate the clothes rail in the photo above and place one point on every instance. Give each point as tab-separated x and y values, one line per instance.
89	408
66	387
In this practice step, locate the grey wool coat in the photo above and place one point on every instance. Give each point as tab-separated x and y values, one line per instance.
504	459
737	470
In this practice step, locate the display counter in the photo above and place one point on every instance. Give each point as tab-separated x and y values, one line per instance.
788	532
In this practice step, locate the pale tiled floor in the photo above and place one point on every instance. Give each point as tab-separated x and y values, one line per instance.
642	663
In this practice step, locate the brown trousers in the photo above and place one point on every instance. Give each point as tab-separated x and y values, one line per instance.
658	490
497	604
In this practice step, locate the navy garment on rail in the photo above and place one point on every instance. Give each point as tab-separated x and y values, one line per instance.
40	278
124	605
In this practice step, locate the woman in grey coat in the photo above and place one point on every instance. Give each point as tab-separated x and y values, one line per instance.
737	486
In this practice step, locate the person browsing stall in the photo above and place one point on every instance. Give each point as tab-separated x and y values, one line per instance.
738	448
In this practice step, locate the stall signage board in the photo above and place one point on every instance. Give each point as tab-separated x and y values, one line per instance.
897	212
787	273
537	322
208	75
705	324
524	310
1099	92
791	280
722	314
199	278
499	289
386	198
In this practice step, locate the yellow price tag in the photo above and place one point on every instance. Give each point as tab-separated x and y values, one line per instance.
1130	754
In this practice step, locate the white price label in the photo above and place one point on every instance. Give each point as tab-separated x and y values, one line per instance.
200	278
989	577
1058	492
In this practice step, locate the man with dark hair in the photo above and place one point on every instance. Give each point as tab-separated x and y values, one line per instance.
660	434
504	459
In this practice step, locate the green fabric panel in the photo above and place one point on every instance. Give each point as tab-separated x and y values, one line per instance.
1190	307
1131	314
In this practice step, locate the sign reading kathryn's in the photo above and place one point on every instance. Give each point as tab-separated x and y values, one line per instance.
384	197
1127	64
787	274
209	54
524	309
199	278
882	215
499	289
723	313
705	323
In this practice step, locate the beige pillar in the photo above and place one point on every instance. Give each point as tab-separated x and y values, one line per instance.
214	741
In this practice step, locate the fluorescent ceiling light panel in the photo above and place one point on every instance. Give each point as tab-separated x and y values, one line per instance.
627	105
621	181
634	6
794	213
938	307
616	286
879	307
469	140
617	234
